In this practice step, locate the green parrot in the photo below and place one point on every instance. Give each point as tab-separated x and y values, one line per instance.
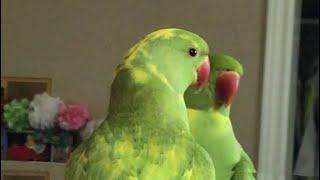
210	124
146	133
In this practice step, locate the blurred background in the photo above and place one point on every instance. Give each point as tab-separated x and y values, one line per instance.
306	132
72	48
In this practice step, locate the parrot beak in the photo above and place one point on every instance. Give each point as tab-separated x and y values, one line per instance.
227	84
203	73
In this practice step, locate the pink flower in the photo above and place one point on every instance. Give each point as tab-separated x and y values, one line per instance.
72	117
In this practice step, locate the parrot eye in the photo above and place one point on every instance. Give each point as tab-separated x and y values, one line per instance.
192	52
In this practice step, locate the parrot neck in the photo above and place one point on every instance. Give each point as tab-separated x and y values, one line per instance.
205	100
147	103
201	100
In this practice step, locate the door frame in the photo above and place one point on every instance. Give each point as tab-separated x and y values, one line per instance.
279	90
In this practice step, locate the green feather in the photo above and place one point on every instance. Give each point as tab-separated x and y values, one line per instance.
146	133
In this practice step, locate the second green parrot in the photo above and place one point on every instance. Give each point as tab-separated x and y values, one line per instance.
210	124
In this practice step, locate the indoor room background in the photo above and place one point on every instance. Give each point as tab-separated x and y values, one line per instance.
76	45
79	44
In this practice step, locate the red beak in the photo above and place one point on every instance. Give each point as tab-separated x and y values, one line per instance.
203	73
227	84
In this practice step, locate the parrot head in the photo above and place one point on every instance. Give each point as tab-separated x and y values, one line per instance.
178	57
222	87
225	77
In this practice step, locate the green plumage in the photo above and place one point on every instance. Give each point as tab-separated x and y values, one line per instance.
211	126
146	133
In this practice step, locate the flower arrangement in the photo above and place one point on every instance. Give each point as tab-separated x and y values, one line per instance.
48	120
45	112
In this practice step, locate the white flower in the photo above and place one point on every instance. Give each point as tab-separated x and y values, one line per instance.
93	124
43	111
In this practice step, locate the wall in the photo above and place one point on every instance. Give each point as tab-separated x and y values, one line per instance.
79	44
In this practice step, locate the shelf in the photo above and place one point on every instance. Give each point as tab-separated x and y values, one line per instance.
53	169
32	163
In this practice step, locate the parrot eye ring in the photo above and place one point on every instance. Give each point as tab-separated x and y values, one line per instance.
192	52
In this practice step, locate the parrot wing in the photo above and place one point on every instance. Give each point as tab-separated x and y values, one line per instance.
244	169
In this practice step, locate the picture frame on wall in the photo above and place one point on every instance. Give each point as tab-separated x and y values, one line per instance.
24	87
